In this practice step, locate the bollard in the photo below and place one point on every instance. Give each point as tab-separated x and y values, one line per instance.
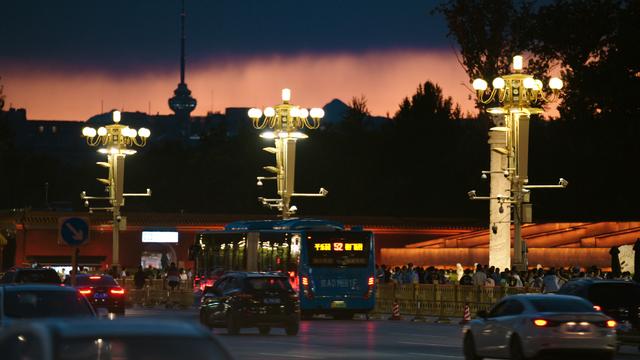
466	316
395	311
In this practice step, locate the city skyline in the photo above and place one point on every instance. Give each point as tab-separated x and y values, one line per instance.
128	57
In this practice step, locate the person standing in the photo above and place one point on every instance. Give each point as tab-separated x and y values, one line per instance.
550	282
479	277
139	278
173	276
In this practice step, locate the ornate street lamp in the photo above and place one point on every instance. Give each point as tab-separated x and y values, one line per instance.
512	99
115	142
284	122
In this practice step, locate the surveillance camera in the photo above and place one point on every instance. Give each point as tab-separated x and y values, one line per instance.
506	173
564	183
293	209
472	194
86	203
324	191
494	229
259	183
501	209
483	176
118	218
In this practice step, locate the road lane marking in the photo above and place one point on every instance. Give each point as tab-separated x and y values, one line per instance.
428	344
437	355
288	355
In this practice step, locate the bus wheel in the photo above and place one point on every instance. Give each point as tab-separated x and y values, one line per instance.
306	315
292	328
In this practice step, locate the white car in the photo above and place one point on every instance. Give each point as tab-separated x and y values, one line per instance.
525	326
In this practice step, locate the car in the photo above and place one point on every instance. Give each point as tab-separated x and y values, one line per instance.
617	298
528	326
31	275
29	301
251	299
124	339
102	291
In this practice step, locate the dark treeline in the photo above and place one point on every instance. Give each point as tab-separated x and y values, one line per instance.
422	162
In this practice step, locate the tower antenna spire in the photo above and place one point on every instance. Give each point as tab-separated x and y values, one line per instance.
182	103
182	41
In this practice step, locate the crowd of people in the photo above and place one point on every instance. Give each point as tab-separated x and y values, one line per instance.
547	280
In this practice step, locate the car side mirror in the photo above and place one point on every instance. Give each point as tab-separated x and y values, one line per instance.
483	314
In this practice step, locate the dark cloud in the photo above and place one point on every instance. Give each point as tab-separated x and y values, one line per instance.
132	35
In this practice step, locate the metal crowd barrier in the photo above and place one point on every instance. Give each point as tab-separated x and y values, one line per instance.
441	301
156	292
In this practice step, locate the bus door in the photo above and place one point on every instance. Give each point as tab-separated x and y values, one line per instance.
279	251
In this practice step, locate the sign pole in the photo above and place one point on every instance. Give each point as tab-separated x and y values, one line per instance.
74	264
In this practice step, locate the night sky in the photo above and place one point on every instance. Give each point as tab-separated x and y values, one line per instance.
71	59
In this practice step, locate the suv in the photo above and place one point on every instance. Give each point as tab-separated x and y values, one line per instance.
616	298
102	291
251	299
31	276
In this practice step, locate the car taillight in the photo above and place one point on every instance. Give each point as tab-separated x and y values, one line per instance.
95	277
540	322
84	291
611	324
597	308
117	291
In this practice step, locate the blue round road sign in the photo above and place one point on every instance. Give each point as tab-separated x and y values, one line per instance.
74	231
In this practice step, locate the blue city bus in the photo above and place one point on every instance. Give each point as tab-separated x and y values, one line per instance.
333	269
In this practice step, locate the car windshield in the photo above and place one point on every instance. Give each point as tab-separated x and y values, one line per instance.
38	276
21	303
269	283
132	348
614	294
95	281
560	305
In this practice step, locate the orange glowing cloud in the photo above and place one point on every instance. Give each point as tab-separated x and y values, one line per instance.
384	78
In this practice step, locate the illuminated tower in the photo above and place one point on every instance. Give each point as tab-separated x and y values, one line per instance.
182	103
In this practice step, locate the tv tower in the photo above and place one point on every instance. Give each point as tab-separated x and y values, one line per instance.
182	103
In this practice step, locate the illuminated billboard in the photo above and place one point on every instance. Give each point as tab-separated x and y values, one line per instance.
160	237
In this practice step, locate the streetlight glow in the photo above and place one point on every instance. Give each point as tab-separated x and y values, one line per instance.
517	62
286	95
116	116
555	83
479	85
498	83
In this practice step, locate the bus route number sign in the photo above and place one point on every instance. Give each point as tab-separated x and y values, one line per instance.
339	246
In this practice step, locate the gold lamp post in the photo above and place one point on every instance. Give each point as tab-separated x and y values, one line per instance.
283	123
515	97
114	141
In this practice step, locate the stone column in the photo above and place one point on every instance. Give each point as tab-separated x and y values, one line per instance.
499	213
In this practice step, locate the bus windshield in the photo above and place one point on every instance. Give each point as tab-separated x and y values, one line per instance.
333	249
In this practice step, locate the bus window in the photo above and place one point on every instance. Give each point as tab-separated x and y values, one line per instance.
277	251
224	251
338	249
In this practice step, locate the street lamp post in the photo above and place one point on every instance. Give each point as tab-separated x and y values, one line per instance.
115	141
515	97
284	122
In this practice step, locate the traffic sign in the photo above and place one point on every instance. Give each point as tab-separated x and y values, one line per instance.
73	231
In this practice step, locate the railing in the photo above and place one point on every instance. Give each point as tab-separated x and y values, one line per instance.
440	300
157	292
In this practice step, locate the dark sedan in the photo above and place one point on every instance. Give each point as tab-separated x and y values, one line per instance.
41	301
102	291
